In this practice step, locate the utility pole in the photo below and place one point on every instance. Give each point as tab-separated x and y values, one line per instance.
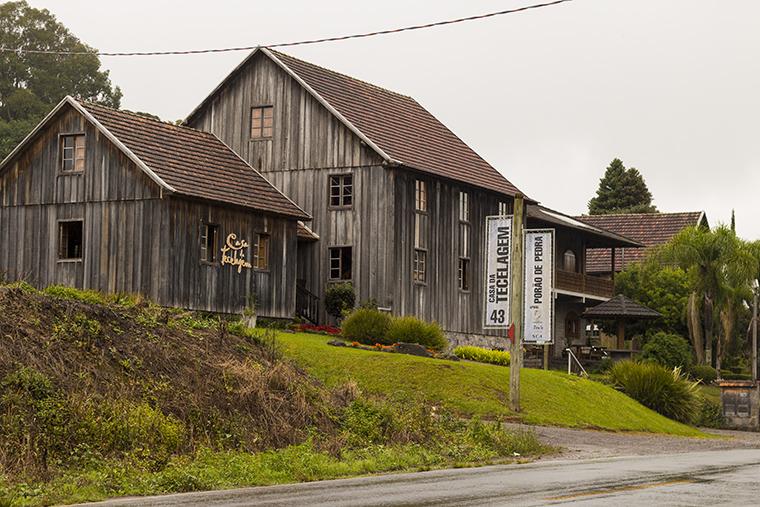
516	286
755	290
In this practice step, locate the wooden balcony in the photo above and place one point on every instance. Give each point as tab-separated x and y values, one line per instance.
580	283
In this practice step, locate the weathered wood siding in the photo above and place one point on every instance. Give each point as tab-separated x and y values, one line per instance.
367	227
309	144
305	134
116	201
135	239
189	283
440	299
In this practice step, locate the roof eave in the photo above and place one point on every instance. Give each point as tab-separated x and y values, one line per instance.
387	158
305	215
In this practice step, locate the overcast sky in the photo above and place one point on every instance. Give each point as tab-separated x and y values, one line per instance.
548	97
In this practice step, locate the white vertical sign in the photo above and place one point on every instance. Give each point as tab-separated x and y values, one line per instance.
539	284
498	272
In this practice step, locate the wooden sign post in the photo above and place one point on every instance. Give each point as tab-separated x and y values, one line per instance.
516	303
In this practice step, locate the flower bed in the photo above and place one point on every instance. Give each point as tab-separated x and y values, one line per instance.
311	328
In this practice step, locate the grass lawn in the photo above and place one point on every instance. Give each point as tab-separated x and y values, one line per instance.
474	389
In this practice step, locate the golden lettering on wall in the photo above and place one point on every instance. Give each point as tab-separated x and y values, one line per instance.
233	253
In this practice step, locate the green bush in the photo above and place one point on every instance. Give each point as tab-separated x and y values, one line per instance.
413	330
367	326
663	390
482	355
669	350
710	414
729	375
707	374
366	423
339	299
85	296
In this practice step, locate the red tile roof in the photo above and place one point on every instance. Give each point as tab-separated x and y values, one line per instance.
650	229
400	128
193	163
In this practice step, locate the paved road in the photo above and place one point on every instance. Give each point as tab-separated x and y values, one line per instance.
586	444
724	477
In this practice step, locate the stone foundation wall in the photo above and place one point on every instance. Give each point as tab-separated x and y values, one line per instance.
477	340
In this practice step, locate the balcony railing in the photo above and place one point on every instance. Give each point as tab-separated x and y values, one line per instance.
584	284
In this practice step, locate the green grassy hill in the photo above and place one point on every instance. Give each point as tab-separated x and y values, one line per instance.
474	389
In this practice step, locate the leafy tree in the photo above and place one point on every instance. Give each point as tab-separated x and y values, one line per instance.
663	288
621	190
30	83
720	265
669	350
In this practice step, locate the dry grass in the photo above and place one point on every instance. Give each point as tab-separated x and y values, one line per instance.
215	382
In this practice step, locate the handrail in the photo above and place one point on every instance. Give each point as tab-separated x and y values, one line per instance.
307	304
570	357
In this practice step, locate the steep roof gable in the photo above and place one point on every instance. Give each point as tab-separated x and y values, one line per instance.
180	160
396	126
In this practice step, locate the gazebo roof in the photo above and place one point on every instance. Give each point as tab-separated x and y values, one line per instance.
621	307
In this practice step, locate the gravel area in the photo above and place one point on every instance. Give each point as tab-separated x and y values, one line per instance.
584	444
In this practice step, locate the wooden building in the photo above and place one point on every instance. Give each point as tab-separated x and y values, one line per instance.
575	289
102	199
650	229
398	201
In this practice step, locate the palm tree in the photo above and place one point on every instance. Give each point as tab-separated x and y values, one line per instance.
718	262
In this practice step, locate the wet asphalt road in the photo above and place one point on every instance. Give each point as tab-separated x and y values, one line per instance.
724	477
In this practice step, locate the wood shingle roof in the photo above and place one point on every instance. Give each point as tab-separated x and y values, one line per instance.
649	229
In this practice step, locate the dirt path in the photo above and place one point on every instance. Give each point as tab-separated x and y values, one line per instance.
583	444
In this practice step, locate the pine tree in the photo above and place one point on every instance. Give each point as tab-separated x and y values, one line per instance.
621	190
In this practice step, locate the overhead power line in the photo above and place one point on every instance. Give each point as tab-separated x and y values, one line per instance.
288	44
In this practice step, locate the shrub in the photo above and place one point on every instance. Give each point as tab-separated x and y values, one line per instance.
367	326
665	391
482	355
729	375
669	350
710	414
707	374
339	298
366	423
85	296
413	330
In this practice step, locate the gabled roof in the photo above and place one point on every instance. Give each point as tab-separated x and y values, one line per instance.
621	307
596	236
181	160
395	126
650	229
304	233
